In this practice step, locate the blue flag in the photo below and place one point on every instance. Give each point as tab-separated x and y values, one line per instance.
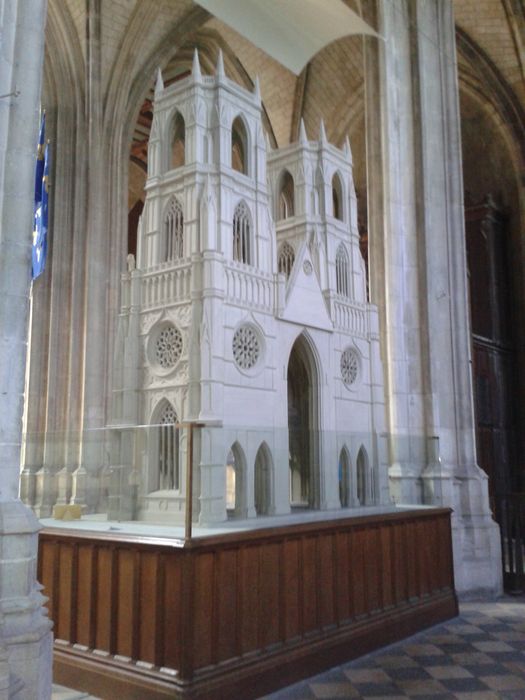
40	214
39	172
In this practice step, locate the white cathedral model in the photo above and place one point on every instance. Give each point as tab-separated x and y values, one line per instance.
246	312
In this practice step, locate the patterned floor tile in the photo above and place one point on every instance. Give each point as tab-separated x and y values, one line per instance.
366	675
422	688
474	658
492	646
463	630
59	692
440	672
333	690
408	674
478	656
376	690
510	636
504	682
423	650
440	639
517	667
465	685
492	669
396	661
442	660
482	695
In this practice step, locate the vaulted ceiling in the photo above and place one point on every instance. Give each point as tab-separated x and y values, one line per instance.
136	35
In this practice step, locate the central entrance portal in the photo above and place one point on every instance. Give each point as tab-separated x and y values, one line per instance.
303	426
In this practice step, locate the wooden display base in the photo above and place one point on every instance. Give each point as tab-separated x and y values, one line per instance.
240	615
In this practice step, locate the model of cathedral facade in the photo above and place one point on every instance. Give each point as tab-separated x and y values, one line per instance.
246	312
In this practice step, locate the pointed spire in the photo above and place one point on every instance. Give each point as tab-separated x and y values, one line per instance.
257	89
347	150
302	132
219	69
159	84
322	132
196	66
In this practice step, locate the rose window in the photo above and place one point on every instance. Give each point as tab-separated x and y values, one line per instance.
168	347
246	347
349	367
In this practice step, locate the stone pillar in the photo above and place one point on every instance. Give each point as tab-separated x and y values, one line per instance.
97	350
418	266
25	631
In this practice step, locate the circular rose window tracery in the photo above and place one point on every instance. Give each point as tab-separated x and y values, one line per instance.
246	347
349	367
168	347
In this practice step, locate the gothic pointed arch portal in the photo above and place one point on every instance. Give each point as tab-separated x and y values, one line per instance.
303	425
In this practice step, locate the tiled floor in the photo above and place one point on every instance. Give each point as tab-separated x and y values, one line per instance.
478	656
61	693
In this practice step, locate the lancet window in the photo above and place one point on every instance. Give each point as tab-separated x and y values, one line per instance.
362	475
239	146
286	196
241	234
178	142
286	259
173	232
169	467
337	197
341	271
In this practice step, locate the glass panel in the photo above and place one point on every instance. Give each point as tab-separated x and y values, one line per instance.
136	478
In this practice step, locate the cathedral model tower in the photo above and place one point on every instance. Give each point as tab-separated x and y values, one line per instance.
247	312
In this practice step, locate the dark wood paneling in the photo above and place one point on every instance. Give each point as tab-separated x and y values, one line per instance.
226	594
342	577
325	581
357	563
205	627
269	595
249	603
127	613
266	604
291	614
172	610
86	621
65	591
148	618
104	602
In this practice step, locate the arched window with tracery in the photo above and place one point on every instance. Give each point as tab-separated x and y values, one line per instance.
173	244
239	146
286	259
286	199
242	234
337	197
178	142
168	463
342	281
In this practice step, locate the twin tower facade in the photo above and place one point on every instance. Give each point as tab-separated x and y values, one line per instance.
246	311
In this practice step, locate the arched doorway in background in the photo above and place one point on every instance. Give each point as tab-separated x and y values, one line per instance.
303	425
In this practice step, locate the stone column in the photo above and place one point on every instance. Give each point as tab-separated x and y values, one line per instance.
25	631
418	265
94	449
